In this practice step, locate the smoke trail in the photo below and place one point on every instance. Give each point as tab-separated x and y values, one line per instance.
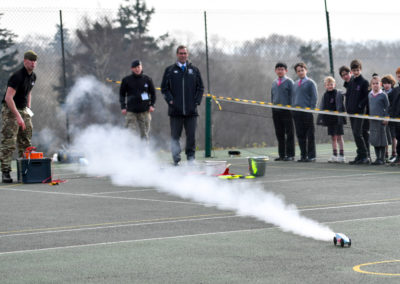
122	156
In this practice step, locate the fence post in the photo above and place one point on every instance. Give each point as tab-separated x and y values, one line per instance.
329	40
208	130
64	76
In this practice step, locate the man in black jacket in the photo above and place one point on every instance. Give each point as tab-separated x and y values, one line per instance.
356	102
137	96
183	89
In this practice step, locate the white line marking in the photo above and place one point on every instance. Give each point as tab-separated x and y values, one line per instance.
363	219
133	241
348	206
323	177
178	237
177	221
123	191
115	226
19	189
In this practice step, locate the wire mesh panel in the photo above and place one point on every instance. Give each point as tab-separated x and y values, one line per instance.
99	44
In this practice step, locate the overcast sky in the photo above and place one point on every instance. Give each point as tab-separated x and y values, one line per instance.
234	20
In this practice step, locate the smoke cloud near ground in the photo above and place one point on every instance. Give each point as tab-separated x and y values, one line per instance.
128	161
120	155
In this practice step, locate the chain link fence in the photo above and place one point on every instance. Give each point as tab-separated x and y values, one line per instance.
94	46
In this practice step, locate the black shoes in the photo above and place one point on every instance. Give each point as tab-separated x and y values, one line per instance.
285	159
6	178
360	161
306	160
378	162
355	161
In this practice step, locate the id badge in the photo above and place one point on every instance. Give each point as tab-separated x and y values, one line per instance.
145	96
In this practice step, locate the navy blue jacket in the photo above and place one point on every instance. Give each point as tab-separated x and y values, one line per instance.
183	88
357	95
131	91
395	108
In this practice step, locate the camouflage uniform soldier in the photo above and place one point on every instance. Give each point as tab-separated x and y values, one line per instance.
17	124
137	96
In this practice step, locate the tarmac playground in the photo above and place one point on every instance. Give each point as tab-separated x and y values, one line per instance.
87	230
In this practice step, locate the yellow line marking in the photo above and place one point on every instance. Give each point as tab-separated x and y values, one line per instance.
357	268
116	223
11	185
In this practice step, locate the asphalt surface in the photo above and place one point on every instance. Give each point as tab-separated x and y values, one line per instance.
87	230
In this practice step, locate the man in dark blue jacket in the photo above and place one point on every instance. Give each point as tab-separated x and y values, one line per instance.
183	89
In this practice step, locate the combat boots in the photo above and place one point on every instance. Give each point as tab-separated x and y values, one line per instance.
6	178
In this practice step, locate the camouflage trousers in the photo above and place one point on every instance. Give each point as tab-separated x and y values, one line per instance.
139	121
13	135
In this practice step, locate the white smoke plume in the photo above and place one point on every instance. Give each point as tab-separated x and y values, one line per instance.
91	102
122	156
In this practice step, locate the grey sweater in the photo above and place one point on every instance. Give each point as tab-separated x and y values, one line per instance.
282	94
378	105
306	94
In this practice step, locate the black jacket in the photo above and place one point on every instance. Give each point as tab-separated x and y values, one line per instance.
392	96
133	90
183	88
395	108
357	95
325	119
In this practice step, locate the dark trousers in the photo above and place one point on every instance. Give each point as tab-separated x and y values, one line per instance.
177	123
398	138
358	134
284	131
366	135
305	130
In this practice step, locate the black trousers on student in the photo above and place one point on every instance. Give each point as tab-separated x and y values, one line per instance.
305	130
398	138
358	134
366	136
284	130
177	124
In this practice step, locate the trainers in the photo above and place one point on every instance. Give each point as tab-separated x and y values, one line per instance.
333	159
341	159
6	178
396	161
392	159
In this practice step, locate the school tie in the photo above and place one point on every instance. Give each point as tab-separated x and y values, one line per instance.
280	81
300	82
183	68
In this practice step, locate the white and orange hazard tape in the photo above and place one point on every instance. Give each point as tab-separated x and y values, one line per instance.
287	107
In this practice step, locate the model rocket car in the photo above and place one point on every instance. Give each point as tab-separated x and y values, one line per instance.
341	239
